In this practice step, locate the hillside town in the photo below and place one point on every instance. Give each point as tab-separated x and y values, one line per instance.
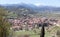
29	23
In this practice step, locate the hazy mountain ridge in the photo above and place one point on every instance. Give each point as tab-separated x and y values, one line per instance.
20	9
30	8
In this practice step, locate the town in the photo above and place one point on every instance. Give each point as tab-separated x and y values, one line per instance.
29	23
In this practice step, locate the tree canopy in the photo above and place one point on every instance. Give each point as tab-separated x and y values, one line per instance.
4	24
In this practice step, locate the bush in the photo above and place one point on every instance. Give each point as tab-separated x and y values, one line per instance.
4	24
58	33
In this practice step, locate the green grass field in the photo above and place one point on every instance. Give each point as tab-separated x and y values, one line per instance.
37	34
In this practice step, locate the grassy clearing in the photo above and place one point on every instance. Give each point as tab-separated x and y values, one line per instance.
30	33
33	34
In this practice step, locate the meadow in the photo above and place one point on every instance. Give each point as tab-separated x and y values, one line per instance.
48	33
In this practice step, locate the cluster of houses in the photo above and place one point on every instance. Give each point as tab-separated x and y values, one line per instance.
30	23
